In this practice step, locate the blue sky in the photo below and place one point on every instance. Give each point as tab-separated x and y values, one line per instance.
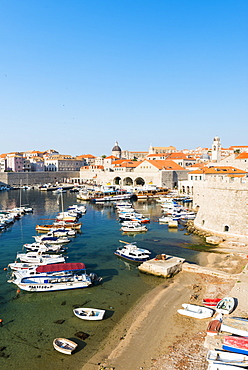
77	75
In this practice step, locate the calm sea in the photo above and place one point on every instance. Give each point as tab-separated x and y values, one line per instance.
32	320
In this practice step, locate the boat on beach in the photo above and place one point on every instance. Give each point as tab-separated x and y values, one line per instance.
91	314
64	345
195	311
220	366
211	302
226	305
236	344
235	325
228	358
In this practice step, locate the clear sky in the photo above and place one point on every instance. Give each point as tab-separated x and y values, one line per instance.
77	75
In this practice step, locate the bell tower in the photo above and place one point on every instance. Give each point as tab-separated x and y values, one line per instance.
216	150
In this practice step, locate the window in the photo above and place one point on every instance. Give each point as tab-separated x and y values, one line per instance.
226	228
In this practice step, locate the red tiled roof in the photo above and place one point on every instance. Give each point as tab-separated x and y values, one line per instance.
219	170
164	164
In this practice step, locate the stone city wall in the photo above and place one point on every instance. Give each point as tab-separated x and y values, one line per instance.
222	206
36	178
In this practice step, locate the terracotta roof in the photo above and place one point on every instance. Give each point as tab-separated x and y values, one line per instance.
164	164
238	146
130	164
242	156
86	156
179	155
219	170
111	157
118	161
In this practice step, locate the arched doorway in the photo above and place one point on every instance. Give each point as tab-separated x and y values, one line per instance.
139	181
117	181
127	181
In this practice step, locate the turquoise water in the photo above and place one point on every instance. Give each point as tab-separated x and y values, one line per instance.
30	320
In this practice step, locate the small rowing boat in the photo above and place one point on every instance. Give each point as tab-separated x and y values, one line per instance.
89	313
64	345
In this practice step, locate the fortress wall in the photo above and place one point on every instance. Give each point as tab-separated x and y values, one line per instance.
223	206
36	178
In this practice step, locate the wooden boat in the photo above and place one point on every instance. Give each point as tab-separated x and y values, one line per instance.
226	305
198	312
46	228
89	313
64	345
236	344
228	358
213	327
211	302
235	325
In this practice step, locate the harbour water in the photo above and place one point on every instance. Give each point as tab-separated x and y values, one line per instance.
32	320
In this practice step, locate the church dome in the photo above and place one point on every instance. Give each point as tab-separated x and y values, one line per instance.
116	148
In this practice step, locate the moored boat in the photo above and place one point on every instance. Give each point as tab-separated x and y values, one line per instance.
54	277
64	345
39	258
132	253
133	227
46	228
52	239
90	314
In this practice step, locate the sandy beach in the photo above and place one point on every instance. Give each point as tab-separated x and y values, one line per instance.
153	336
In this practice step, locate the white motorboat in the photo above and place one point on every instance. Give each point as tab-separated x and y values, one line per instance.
165	219
133	227
226	305
44	248
64	345
89	313
132	253
198	312
228	358
51	239
61	232
54	277
18	266
40	258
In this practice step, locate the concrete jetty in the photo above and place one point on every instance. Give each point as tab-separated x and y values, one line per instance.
163	265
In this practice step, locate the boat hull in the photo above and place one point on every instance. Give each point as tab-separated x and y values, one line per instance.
229	358
65	346
91	314
49	287
133	259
